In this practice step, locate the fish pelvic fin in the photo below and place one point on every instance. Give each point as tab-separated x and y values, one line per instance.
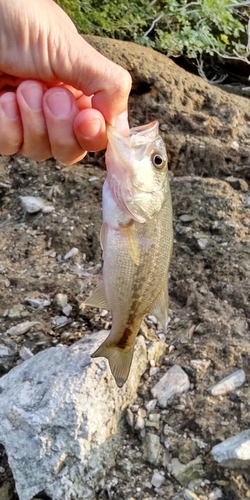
119	360
97	298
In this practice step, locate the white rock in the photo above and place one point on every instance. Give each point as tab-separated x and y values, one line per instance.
152	449
67	310
190	495
228	384
201	365
139	423
157	479
175	381
202	243
60	321
59	418
215	494
37	303
151	404
60	300
25	353
74	251
234	452
21	328
33	205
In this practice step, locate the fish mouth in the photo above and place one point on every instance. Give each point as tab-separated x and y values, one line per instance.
137	135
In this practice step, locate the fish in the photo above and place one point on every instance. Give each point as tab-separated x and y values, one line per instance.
136	240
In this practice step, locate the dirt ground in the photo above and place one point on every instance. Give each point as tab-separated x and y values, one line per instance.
209	307
209	295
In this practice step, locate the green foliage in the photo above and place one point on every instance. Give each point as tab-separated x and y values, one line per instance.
174	27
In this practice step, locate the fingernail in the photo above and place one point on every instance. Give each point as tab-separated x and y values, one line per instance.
60	104
121	123
9	107
33	96
91	129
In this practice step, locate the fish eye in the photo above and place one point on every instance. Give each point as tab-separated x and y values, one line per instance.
158	161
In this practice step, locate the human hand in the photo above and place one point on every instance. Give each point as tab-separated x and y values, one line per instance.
56	91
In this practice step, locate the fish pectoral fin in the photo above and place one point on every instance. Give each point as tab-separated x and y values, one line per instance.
119	360
160	308
97	298
132	242
103	233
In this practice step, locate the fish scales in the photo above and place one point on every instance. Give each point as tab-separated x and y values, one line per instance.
137	238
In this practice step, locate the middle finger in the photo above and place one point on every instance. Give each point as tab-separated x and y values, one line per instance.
35	137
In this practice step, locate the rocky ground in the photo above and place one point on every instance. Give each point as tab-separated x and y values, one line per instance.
166	451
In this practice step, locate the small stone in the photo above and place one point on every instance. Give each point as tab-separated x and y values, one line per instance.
153	371
125	466
139	423
17	311
7	354
142	412
190	495
200	365
154	417
228	384
152	318
60	301
37	303
164	127
234	452
150	405
175	381
25	353
156	351
153	425
186	452
184	474
187	218
152	449
130	418
168	431
21	328
157	479
215	494
74	251
134	408
33	205
60	321
202	243
67	310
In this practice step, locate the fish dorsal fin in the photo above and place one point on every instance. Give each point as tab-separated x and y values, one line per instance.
160	308
119	360
132	241
97	298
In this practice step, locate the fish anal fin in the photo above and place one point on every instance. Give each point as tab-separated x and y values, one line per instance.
160	308
130	235
119	360
97	298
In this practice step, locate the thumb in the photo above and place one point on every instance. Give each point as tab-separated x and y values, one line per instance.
81	66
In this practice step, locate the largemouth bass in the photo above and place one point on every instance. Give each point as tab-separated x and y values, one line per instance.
136	239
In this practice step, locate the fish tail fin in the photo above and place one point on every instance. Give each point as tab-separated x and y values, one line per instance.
119	360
